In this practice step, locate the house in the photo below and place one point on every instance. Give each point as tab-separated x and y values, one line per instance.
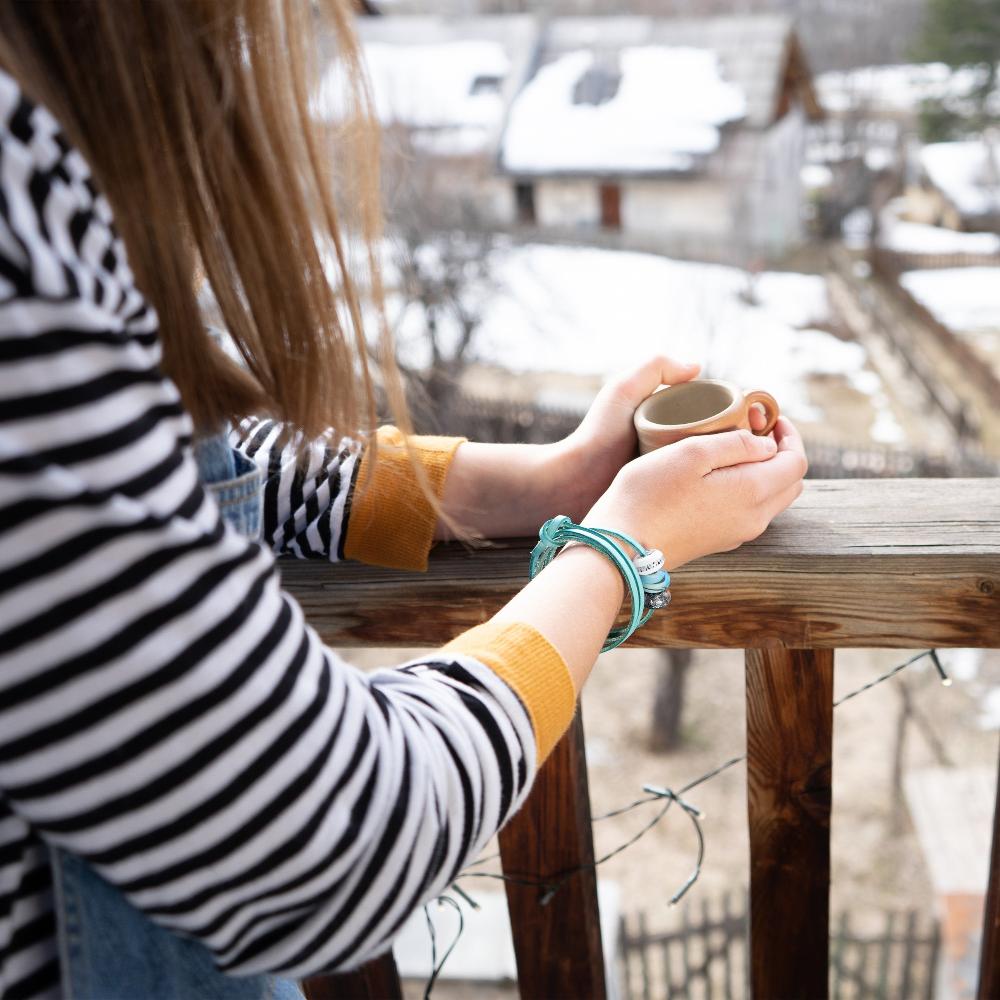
957	185
685	136
446	83
676	135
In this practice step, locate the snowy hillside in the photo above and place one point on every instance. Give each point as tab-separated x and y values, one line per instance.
587	311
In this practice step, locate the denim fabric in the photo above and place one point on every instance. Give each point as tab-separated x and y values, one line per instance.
235	482
109	950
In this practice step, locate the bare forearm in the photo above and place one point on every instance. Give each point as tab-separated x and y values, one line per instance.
509	490
500	490
573	603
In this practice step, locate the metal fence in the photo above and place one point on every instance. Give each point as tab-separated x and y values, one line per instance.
706	957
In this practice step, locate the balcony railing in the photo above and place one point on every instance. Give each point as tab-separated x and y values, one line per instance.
855	563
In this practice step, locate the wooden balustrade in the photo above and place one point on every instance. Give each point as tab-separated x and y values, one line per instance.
855	563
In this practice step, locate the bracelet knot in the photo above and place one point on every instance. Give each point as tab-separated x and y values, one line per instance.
549	532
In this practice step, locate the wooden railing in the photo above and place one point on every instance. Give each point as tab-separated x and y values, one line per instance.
855	563
890	267
910	261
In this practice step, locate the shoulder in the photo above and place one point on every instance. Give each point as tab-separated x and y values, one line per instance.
57	237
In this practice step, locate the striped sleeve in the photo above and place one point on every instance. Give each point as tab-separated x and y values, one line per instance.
328	501
165	711
306	489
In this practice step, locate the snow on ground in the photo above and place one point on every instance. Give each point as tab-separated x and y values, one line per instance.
588	311
894	88
895	233
816	176
965	299
856	228
967	173
449	91
666	111
989	716
916	237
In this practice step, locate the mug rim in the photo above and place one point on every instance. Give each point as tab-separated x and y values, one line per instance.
642	422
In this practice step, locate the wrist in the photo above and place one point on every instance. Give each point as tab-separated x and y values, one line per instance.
615	515
599	572
566	475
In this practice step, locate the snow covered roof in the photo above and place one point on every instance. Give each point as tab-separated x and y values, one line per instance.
446	79
452	81
647	94
966	173
658	109
752	49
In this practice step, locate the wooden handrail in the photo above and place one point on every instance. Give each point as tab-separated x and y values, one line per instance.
855	563
897	563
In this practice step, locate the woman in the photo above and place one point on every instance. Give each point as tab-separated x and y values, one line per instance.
172	734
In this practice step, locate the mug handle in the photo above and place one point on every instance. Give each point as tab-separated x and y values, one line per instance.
771	409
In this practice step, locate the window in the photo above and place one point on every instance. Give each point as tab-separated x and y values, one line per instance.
598	85
524	199
486	85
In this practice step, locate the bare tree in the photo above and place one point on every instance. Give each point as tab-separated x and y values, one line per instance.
441	256
665	730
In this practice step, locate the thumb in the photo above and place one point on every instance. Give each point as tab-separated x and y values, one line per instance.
718	451
631	388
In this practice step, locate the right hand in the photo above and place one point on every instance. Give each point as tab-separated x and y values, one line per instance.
709	493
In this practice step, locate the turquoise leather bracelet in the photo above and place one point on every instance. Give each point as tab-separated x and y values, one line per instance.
645	579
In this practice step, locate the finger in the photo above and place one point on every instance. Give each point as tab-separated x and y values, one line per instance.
789	439
762	481
633	387
787	436
757	417
710	452
782	501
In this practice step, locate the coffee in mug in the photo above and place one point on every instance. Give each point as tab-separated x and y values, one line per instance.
705	406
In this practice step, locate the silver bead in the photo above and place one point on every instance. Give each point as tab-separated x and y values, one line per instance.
657	601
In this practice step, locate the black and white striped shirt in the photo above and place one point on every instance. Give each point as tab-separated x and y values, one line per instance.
165	712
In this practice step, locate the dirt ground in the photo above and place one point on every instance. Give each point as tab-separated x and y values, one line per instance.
877	863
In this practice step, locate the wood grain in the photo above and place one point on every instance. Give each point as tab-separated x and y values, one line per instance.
989	963
558	946
789	697
375	980
894	563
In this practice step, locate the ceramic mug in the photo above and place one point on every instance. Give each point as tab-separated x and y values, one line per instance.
705	406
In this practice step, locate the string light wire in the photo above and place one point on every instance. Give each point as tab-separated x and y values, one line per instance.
437	966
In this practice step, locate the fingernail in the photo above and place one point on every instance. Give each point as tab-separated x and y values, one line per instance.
770	443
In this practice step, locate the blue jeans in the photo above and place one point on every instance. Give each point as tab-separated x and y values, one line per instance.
109	950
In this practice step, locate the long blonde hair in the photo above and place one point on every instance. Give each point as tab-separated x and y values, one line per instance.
195	117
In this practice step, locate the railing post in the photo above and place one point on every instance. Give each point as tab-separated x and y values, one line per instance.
789	697
989	964
375	980
558	946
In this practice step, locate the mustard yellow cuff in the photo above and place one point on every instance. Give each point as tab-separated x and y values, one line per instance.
533	667
391	522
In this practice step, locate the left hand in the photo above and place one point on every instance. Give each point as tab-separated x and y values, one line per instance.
584	464
508	490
